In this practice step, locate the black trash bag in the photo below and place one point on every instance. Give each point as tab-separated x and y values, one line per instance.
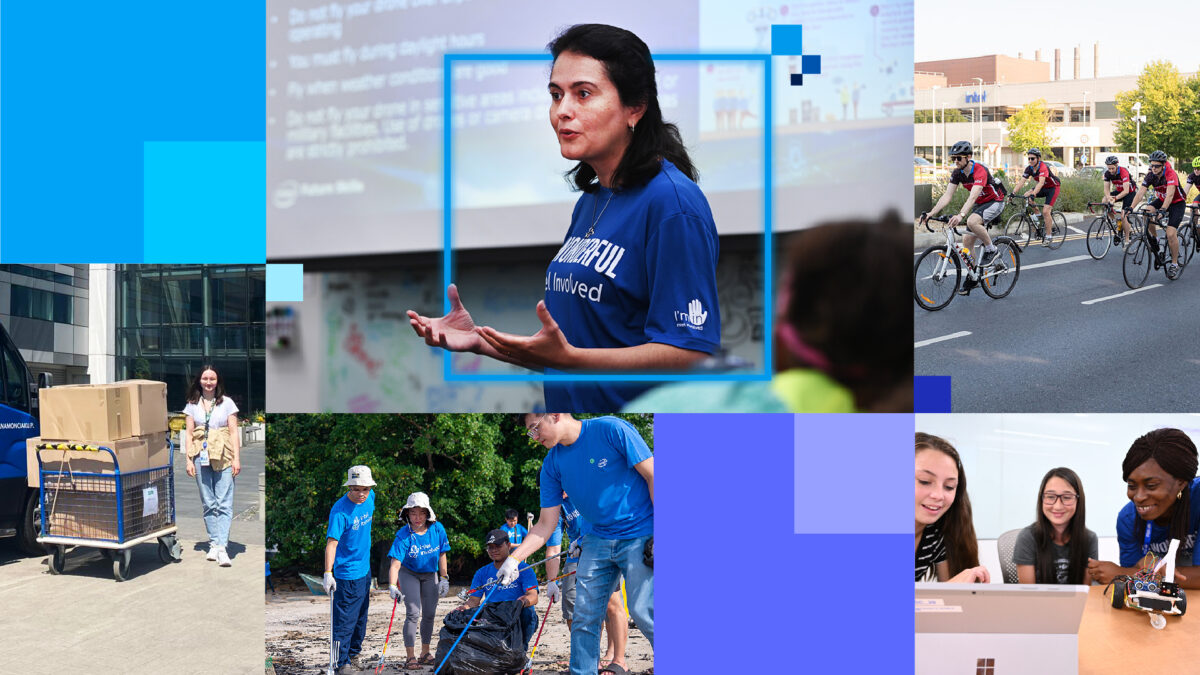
494	645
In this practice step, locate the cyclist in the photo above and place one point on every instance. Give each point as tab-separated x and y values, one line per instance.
1193	179
983	204
1169	197
1119	186
1046	188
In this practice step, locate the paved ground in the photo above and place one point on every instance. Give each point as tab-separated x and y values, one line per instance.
186	617
1070	337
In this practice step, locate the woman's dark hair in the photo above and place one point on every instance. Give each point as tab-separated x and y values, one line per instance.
512	513
1046	571
845	296
958	528
1175	452
194	391
404	514
629	66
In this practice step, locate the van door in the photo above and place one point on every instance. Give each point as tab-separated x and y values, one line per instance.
17	423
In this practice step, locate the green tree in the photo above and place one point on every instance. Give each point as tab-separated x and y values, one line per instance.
927	116
1169	103
1030	128
472	466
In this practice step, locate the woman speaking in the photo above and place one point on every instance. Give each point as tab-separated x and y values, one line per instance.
633	287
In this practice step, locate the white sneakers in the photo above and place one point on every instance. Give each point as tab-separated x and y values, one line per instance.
218	554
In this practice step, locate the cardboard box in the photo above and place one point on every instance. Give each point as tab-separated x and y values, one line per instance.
74	412
147	451
147	405
90	515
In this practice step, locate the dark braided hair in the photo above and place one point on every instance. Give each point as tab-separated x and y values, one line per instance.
1175	452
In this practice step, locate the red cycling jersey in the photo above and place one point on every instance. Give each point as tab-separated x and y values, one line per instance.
1042	170
1120	181
979	175
1167	178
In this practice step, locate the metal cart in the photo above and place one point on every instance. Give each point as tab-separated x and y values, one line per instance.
112	512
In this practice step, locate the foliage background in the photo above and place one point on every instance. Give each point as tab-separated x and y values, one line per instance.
1073	196
472	466
1170	103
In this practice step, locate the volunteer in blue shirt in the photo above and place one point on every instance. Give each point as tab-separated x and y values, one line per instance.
618	628
516	532
418	576
348	567
1164	504
523	586
633	287
608	470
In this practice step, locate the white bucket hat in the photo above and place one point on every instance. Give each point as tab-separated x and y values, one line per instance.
415	500
359	475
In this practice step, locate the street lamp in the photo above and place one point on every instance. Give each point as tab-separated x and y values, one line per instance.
933	112
945	157
979	102
1137	117
1084	118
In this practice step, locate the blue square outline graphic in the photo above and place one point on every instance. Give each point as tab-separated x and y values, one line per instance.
448	61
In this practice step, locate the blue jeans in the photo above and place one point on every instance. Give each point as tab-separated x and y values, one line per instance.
216	491
529	624
600	566
350	603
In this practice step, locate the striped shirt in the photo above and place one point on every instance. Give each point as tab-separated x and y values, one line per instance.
930	552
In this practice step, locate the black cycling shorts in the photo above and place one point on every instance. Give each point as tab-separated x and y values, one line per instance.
1049	193
1174	212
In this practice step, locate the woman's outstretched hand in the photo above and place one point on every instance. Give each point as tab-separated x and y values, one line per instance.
456	331
548	347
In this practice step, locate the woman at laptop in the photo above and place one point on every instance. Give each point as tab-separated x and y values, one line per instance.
1055	549
946	549
1164	504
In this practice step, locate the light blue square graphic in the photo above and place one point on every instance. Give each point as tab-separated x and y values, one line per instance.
849	473
786	40
204	201
285	282
449	60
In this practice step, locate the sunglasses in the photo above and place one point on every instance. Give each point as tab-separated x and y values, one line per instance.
1155	166
958	159
1032	158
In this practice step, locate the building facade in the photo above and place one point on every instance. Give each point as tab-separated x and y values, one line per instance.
45	310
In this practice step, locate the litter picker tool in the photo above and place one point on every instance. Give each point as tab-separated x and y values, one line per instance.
460	635
529	667
388	638
464	593
334	646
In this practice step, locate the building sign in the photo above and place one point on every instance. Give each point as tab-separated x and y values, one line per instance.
974	98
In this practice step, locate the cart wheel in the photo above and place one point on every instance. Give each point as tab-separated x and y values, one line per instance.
58	559
169	549
121	564
1158	621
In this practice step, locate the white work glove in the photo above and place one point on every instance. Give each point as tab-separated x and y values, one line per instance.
443	587
552	591
575	549
330	584
508	572
394	591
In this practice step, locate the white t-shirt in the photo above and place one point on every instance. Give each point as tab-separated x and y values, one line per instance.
218	417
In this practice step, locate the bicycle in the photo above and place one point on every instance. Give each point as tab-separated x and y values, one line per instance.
1030	221
1141	254
1103	230
939	269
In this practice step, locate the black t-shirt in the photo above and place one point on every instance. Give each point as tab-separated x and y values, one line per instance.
930	552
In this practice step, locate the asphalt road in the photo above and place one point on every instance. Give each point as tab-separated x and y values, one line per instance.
1070	337
187	617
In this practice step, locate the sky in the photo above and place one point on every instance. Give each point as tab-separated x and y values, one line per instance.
1128	39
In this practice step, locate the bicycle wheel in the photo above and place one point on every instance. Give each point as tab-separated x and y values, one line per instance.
1099	238
1020	229
1136	264
936	276
1001	275
1187	247
1058	231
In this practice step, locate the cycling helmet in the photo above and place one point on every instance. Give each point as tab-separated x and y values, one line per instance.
1035	152
1196	162
1158	156
1112	160
961	148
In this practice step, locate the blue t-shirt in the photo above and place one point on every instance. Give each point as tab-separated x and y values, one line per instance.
420	552
597	470
526	580
1131	546
647	273
576	526
516	533
350	524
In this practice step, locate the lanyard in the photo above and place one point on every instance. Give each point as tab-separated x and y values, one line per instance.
207	416
1146	545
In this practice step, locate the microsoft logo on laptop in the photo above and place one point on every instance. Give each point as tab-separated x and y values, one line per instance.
985	666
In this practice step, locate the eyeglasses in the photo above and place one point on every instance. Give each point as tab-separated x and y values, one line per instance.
1068	498
1155	166
533	431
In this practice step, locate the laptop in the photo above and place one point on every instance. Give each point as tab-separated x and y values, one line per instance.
998	629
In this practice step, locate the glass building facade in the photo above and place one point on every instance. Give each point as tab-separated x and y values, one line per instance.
174	319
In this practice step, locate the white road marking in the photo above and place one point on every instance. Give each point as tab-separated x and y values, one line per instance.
922	343
1059	261
1072	227
1121	295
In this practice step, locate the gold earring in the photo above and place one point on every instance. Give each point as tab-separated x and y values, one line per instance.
1180	495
